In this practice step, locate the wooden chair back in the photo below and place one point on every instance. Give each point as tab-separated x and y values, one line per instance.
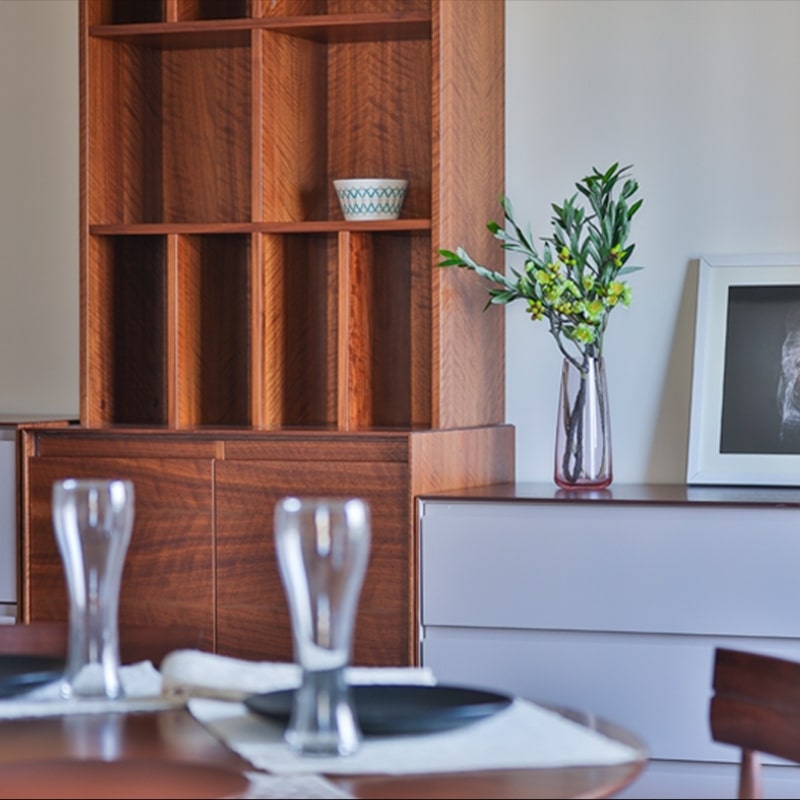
136	643
756	707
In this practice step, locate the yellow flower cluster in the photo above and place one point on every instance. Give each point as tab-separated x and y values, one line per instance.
581	310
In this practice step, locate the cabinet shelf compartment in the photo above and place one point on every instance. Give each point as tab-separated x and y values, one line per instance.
126	12
346	331
212	334
212	9
125	332
298	331
343	110
301	8
385	331
174	144
123	12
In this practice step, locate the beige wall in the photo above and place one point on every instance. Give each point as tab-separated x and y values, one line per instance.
38	206
700	96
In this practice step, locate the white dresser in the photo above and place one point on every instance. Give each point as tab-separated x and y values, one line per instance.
10	425
8	524
613	602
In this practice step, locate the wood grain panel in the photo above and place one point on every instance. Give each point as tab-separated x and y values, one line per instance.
374	6
206	119
420	304
356	333
209	9
95	346
392	373
379	117
251	613
319	446
268	326
290	8
120	12
305	377
168	575
123	331
112	443
213	335
122	92
384	343
469	364
442	460
136	324
230	316
293	141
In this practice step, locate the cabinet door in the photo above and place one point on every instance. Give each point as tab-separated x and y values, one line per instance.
252	615
168	575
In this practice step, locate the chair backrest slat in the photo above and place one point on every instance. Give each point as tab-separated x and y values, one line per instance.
756	707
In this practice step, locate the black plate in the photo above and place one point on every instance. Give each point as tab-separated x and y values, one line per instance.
394	709
21	673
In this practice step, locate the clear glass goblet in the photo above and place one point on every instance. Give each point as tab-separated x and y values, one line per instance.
323	547
93	519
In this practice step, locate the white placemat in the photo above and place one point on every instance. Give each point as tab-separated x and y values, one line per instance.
524	735
141	683
292	787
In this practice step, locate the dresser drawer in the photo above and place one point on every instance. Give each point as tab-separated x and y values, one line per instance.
658	686
682	569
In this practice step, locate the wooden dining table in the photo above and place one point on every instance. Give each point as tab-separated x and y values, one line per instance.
163	754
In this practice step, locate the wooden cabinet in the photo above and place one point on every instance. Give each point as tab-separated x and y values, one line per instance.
239	339
220	282
202	550
168	574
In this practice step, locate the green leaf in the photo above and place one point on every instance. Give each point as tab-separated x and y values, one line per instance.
590	223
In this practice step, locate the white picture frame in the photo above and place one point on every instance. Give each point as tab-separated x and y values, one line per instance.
740	432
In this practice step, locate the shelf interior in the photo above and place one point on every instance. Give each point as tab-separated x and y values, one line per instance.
213	341
177	148
126	331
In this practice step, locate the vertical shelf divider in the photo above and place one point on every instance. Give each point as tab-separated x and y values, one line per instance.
173	311
258	373
354	387
267	329
170	10
259	412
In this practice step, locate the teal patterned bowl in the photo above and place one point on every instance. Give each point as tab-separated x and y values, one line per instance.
371	198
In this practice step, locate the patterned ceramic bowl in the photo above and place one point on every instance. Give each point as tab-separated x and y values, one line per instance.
371	198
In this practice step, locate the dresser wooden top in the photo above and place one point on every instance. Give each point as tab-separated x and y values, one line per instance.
630	493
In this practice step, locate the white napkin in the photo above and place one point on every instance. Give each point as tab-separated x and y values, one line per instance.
141	683
196	673
524	735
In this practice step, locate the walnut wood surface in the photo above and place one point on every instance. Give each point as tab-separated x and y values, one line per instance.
136	642
251	607
175	735
239	339
629	493
205	127
468	360
202	550
168	576
756	707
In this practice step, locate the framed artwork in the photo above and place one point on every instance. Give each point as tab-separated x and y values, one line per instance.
745	410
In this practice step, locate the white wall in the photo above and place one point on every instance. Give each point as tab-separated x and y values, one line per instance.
700	96
39	367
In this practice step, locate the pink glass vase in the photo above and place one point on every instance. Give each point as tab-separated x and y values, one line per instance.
583	430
